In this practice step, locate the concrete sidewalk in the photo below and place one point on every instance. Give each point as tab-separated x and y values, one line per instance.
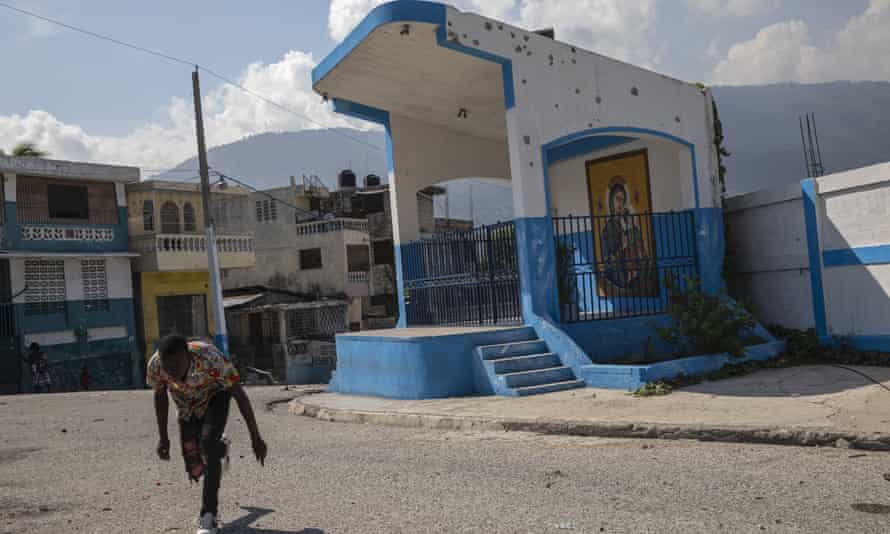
811	405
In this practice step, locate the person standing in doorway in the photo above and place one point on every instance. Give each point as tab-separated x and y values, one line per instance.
39	364
201	381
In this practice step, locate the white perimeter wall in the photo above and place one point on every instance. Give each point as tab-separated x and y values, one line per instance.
767	246
854	212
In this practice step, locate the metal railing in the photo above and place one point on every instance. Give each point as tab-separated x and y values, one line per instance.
7	320
611	267
464	278
333	225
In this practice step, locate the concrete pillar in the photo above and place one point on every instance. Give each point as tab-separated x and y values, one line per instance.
535	246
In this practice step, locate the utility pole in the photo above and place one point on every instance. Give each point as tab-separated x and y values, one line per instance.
221	338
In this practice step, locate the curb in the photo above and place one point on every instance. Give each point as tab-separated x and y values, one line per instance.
803	437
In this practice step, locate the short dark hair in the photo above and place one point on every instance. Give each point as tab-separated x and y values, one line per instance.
171	346
35	346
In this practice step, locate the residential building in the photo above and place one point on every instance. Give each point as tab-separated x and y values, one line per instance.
171	279
287	333
65	276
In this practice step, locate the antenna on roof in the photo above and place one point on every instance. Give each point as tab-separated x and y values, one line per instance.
812	152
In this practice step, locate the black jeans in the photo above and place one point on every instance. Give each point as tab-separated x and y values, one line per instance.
207	432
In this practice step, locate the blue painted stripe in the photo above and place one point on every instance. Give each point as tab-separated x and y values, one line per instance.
585	146
577	136
874	255
808	187
399	11
506	64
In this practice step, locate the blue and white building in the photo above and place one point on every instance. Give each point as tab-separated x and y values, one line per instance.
614	175
65	277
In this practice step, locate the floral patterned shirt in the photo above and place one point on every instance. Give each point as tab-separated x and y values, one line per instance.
210	372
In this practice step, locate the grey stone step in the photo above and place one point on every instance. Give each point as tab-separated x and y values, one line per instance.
549	388
509	350
538	377
525	363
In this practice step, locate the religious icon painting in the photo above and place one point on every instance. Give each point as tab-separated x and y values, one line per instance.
621	206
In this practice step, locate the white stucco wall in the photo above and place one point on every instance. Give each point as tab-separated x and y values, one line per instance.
568	179
768	256
560	89
424	155
767	244
854	212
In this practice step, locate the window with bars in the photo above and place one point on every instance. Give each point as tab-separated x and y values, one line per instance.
45	283
266	210
188	217
95	285
148	216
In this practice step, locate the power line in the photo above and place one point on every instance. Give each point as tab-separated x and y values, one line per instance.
255	190
98	36
282	108
190	64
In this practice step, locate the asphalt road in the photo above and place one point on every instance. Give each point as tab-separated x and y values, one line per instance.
73	463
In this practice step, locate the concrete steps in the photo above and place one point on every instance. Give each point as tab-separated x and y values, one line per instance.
524	368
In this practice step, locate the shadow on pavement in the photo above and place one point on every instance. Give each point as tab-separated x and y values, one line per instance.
242	525
803	381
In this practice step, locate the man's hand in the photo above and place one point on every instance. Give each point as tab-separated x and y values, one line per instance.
164	449
259	449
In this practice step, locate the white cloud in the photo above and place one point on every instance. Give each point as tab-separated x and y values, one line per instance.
344	15
617	28
786	52
229	113
732	8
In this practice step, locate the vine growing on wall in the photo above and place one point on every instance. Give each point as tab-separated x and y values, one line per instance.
719	138
722	152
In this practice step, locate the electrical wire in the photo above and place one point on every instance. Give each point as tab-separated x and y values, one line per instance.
860	373
190	64
255	190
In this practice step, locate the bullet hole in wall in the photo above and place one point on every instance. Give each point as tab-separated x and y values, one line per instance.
677	118
634	91
598	100
476	42
527	139
488	26
577	91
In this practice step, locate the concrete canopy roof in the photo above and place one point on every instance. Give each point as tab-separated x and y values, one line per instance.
400	60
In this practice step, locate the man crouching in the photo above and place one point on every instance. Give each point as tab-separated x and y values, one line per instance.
201	381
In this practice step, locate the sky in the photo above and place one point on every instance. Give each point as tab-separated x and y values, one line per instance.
84	99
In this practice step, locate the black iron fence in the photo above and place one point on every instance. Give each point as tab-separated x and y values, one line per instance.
463	278
611	267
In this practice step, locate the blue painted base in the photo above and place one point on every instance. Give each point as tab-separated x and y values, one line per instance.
423	367
867	343
631	377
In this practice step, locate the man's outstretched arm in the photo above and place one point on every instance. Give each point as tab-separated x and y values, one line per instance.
259	446
162	408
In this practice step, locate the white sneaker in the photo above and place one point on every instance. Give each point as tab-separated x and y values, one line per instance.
207	524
